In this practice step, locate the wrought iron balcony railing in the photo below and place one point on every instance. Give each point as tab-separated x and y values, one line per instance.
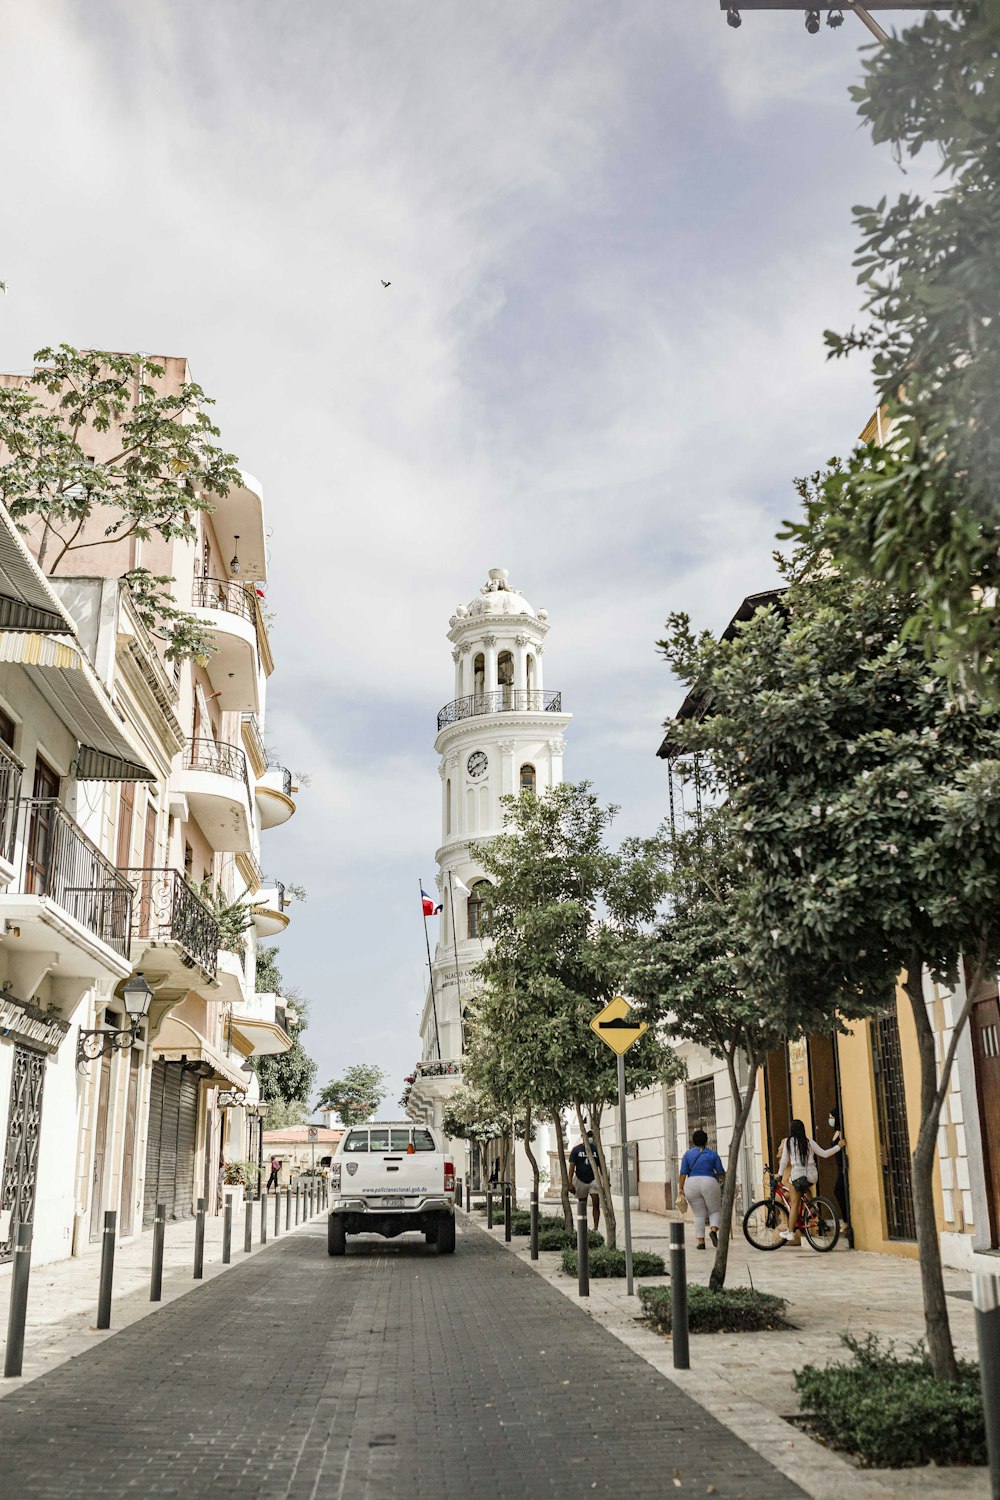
224	594
167	910
11	771
286	776
59	861
221	758
504	700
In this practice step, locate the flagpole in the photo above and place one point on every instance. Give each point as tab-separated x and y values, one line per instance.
430	970
458	981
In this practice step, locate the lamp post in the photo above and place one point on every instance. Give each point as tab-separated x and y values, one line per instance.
260	1110
136	998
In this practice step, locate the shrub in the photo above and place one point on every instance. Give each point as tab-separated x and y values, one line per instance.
558	1238
892	1413
520	1223
605	1262
736	1309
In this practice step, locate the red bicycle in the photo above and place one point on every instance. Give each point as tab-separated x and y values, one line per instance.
765	1220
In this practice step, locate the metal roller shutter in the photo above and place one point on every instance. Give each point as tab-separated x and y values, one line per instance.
154	1133
170	1146
187	1135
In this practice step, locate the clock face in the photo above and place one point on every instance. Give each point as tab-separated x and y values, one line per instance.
477	764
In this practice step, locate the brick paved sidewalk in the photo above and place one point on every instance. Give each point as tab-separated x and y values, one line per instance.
62	1296
746	1379
389	1374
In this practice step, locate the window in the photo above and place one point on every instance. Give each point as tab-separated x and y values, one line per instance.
356	1141
527	778
475	909
699	1101
378	1140
479	675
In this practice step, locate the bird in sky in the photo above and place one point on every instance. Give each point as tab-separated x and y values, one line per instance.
384	283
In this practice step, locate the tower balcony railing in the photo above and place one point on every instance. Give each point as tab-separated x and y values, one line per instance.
504	700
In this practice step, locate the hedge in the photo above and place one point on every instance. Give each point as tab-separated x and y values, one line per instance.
892	1413
605	1262
737	1309
558	1238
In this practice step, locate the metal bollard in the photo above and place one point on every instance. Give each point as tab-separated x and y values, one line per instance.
534	1224
263	1218
506	1212
277	1213
288	1208
467	1196
582	1248
312	1200
489	1208
227	1232
298	1197
199	1240
18	1311
679	1298
248	1226
156	1274
986	1298
458	1192
107	1269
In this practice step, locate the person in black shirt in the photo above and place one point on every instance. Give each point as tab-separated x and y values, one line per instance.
581	1175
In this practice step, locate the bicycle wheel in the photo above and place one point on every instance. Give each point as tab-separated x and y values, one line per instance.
821	1223
763	1223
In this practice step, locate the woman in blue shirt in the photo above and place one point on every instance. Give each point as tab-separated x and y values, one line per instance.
700	1181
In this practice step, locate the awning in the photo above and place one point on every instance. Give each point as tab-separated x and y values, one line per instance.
57	667
177	1041
26	600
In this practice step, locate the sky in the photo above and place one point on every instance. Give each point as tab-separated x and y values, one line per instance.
614	236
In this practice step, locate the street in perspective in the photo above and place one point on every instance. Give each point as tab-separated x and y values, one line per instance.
443	387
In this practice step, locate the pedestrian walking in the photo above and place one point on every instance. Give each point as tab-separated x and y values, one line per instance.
798	1158
701	1177
582	1180
272	1181
840	1186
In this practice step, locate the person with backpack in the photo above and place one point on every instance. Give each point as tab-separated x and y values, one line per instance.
798	1158
700	1184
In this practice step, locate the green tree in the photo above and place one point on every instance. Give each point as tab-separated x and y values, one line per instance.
164	468
867	803
560	913
921	509
471	1115
286	1078
356	1096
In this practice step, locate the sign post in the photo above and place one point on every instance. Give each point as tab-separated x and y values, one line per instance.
614	1028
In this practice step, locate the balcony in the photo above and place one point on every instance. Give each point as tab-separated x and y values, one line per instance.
270	914
231	977
70	910
175	938
228	611
11	771
238	523
505	700
213	779
275	799
258	1025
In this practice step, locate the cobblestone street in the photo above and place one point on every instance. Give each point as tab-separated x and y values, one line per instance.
387	1374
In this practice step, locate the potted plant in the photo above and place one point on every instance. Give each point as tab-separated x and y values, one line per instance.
233	1183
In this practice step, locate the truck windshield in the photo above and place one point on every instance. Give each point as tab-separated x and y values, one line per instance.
381	1138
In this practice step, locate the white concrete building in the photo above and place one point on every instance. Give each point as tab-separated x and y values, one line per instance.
503	732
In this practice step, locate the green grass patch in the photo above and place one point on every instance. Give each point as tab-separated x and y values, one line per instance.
892	1412
737	1309
605	1262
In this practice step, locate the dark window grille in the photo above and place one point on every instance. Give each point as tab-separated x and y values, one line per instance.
61	863
505	700
527	778
894	1135
475	910
166	909
18	1183
11	771
699	1101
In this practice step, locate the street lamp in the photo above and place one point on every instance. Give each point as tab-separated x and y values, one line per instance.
136	997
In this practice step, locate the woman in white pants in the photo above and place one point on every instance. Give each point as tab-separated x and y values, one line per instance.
700	1180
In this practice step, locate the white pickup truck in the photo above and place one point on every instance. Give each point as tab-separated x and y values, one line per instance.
388	1177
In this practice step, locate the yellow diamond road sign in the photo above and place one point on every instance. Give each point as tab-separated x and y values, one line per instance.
614	1027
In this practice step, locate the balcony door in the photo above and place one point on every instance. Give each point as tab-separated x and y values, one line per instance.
41	829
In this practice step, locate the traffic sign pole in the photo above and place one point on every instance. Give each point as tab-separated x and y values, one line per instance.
625	1175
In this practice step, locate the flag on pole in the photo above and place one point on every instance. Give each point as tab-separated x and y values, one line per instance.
461	885
430	910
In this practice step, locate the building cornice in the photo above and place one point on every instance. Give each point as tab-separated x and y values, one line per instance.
543	725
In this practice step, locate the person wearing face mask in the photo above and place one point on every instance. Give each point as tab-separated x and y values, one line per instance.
840	1186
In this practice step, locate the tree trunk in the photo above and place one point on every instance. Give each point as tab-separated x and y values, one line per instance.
563	1170
939	1341
742	1104
535	1175
600	1166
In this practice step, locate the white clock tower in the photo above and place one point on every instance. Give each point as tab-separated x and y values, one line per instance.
502	733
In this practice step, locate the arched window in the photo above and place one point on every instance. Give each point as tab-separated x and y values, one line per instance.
505	679
475	908
530	670
527	778
479	676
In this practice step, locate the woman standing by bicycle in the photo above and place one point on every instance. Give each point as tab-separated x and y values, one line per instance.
798	1155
